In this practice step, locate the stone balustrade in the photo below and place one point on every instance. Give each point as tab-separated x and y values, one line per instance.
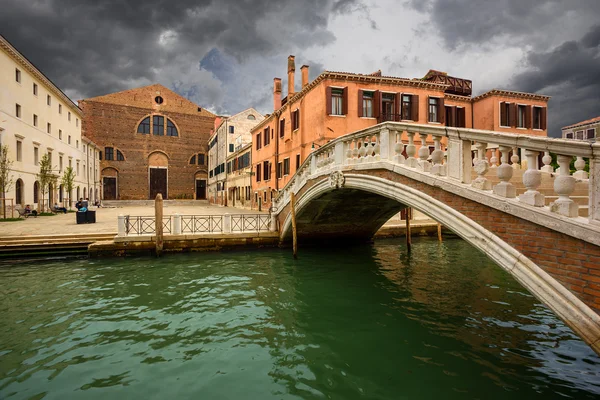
406	149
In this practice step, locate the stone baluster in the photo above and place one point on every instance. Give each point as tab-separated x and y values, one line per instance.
437	157
369	149
494	159
579	166
564	185
423	164
349	144
594	186
481	168
505	172
514	159
411	150
355	151
547	160
362	152
377	149
532	178
398	149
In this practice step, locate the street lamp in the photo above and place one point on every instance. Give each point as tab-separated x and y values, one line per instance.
315	144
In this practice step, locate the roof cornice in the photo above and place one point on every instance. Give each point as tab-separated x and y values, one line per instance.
510	93
28	65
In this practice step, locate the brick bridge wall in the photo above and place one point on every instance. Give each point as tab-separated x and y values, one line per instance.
572	262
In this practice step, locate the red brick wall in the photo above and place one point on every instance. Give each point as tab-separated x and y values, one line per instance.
572	262
112	121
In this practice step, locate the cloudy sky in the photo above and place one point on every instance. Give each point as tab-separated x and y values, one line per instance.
224	54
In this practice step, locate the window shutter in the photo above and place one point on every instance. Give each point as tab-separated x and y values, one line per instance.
513	115
441	111
376	104
328	100
503	113
345	101
297	118
414	105
528	123
461	117
543	118
398	107
360	103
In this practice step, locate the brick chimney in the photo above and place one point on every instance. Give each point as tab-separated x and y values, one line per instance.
304	70
291	73
276	94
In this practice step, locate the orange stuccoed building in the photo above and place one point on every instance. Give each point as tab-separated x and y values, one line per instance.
338	103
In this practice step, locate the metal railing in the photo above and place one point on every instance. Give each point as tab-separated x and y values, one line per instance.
138	225
250	222
201	224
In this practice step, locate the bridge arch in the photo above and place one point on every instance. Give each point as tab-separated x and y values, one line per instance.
546	288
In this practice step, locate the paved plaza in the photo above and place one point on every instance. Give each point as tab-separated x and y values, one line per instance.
106	219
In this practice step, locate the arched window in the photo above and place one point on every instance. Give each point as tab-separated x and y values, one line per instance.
120	156
60	193
193	160
19	191
144	126
197	158
171	129
251	117
36	191
158	125
109	154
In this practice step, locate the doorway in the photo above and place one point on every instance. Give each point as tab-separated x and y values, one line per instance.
158	182
110	188
200	189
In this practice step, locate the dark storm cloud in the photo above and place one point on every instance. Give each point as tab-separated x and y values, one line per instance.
571	74
90	48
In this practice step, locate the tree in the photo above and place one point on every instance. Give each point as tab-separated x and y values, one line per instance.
68	181
6	181
45	177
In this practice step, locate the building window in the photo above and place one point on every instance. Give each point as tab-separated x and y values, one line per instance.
579	135
69	116
48	100
108	153
231	148
337	101
77	122
35	89
521	110
171	129
231	129
18	75
388	106
120	156
144	126
258	173
36	191
537	118
282	128
258	141
266	136
35	120
60	108
295	120
590	134
297	162
158	100
60	163
505	114
36	156
78	172
286	166
69	141
251	117
406	107
367	104
279	170
49	127
19	150
158	125
200	159
60	134
434	104
76	144
266	171
193	160
18	110
569	135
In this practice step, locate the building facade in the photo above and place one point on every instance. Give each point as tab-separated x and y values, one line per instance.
584	130
152	140
231	134
239	177
337	103
37	118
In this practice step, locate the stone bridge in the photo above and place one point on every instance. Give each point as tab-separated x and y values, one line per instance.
530	226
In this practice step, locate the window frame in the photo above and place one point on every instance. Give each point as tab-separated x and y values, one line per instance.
507	105
337	101
286	166
436	108
107	153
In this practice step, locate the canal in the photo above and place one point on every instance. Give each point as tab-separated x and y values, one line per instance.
361	322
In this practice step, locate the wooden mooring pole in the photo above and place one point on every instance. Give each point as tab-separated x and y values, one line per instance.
439	232
408	240
294	232
158	224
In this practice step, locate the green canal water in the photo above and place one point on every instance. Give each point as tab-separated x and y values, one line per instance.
361	322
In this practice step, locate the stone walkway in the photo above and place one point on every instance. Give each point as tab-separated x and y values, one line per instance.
106	220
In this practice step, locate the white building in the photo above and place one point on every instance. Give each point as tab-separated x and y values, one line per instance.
239	177
584	130
36	117
232	134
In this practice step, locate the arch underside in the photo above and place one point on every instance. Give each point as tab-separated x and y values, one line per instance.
366	202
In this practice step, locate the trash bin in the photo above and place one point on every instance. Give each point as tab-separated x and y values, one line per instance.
90	217
81	218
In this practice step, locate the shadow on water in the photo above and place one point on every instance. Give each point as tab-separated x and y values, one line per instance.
364	321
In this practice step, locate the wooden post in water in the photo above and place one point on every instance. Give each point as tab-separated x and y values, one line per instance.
439	232
294	232
408	241
158	224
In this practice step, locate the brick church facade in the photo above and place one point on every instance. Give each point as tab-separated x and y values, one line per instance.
152	140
